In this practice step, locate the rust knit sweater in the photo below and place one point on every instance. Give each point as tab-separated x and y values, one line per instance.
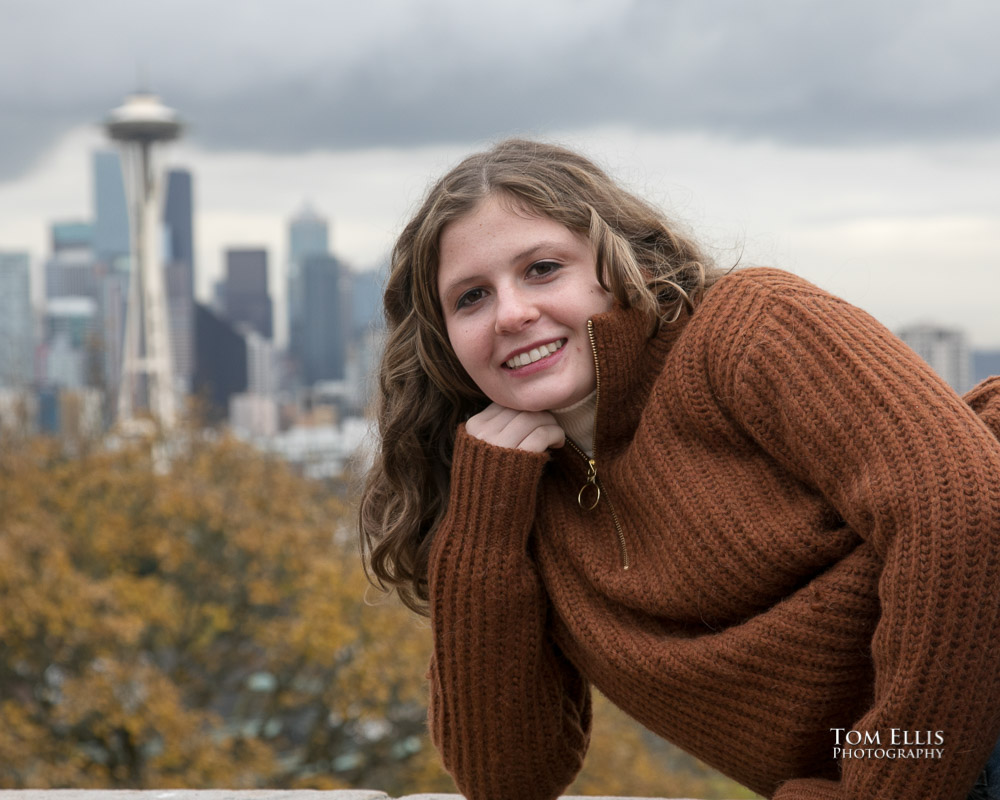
811	523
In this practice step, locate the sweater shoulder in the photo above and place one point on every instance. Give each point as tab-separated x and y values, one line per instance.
745	304
767	312
764	281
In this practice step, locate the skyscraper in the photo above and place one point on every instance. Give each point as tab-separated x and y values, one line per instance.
72	271
325	319
946	350
221	368
178	218
111	231
73	235
367	338
246	296
73	357
366	300
17	342
308	235
110	245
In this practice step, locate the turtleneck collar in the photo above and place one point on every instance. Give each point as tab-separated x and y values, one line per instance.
578	421
629	360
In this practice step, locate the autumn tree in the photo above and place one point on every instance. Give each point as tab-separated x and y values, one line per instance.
195	624
194	614
626	760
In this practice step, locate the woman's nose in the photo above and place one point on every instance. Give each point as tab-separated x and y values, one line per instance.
515	310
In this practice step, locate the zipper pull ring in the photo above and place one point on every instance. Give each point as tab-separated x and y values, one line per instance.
590	490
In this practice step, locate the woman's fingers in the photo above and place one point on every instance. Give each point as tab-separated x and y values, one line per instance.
542	438
491	411
535	431
488	422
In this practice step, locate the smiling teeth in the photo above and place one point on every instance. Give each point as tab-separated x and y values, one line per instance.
535	354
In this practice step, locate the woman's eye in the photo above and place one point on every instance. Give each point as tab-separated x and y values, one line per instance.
543	268
469	298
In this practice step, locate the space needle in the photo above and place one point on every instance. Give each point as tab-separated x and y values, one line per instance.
147	387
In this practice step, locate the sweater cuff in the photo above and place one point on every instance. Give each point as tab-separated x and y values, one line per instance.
493	489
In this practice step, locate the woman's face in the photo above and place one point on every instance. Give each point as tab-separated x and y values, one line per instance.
516	292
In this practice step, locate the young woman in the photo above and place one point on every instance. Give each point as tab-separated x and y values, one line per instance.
733	503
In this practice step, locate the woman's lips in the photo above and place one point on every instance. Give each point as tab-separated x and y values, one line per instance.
534	355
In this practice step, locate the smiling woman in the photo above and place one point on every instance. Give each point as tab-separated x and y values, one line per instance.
735	504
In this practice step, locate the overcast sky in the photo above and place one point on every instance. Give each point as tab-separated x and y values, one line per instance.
856	143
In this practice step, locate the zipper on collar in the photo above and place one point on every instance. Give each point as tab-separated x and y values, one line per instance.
592	491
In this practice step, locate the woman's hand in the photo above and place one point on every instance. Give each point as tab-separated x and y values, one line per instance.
534	431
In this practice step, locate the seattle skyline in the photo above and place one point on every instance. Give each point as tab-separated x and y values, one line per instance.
850	145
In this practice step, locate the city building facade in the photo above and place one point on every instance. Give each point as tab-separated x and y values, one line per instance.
326	319
945	349
245	294
17	322
221	367
111	225
308	236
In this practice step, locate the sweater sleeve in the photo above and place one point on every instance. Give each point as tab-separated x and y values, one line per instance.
508	713
848	409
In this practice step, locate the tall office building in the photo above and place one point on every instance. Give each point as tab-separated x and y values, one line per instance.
178	232
111	249
73	348
308	235
178	218
221	368
366	300
946	350
368	337
70	236
246	298
72	274
326	321
111	227
17	341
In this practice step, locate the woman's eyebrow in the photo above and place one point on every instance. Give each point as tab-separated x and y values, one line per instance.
460	284
532	250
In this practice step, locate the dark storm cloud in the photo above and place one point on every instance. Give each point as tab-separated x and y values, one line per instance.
300	75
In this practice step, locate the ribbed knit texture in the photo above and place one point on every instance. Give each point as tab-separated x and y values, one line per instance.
813	524
577	421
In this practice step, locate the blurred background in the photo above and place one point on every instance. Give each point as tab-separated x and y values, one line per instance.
176	614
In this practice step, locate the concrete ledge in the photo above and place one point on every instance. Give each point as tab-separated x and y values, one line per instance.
226	794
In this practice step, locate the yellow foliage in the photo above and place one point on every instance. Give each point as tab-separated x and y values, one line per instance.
197	627
626	760
208	626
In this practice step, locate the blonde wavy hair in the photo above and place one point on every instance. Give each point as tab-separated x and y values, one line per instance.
424	393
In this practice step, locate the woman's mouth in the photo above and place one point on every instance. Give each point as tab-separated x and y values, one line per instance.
533	355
